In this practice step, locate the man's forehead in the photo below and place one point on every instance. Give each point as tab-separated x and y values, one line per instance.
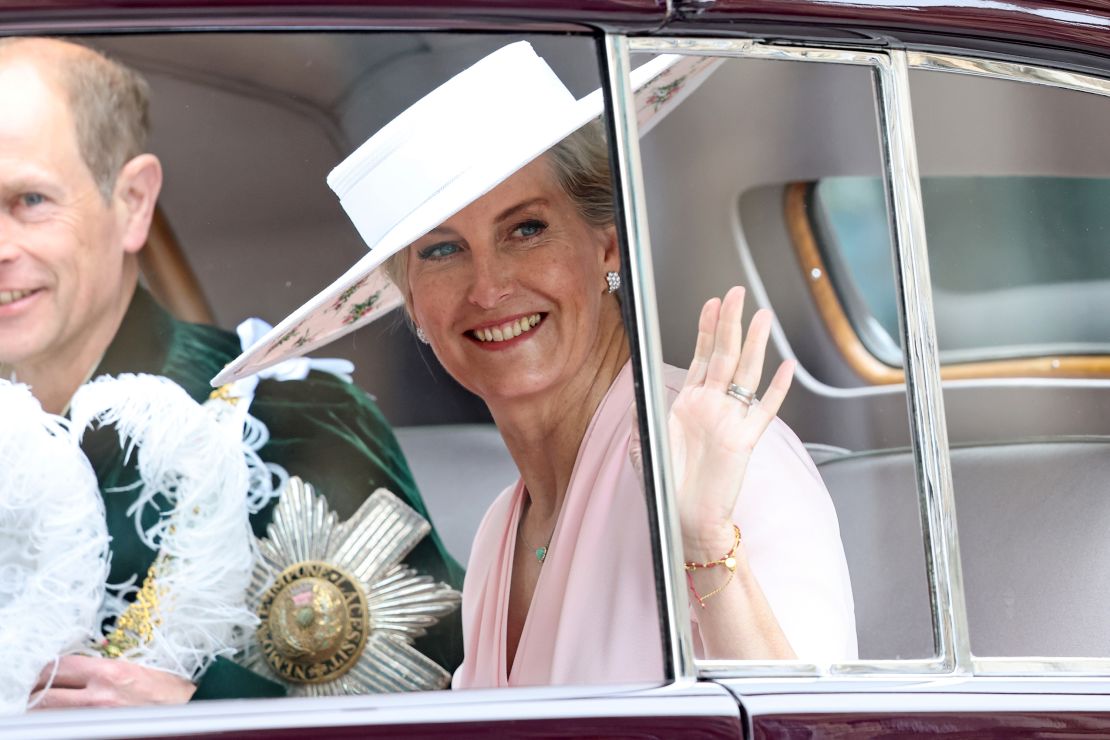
35	65
43	52
37	122
28	92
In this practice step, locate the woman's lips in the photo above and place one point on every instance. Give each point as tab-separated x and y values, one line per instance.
506	331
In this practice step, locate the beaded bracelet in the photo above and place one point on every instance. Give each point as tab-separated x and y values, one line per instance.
729	561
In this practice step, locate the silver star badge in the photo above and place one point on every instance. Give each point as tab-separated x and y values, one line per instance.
338	610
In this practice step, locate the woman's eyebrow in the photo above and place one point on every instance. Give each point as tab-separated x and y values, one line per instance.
439	232
508	212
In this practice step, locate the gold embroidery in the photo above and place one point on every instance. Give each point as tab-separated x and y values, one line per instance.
224	394
136	625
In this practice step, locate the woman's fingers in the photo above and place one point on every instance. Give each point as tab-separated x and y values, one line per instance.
761	414
723	355
707	327
749	371
726	341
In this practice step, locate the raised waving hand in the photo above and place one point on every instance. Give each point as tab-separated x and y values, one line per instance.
716	420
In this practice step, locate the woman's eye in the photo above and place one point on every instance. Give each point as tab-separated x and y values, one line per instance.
529	229
438	251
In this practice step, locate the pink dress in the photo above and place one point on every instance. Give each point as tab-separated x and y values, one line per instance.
593	616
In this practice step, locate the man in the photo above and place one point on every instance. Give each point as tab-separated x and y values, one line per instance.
77	194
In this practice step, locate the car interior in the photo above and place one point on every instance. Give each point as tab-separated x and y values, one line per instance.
248	126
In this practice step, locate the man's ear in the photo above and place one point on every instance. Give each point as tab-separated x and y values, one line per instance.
136	193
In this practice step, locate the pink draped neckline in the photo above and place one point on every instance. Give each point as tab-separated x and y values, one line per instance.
593	616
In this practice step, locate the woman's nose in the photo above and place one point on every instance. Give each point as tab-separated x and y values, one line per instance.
492	282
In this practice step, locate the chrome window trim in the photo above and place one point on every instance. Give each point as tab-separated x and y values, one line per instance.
929	433
1008	71
1039	666
625	146
923	384
920	60
858	668
753	49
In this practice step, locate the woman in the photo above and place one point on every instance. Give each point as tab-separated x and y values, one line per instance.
514	289
511	294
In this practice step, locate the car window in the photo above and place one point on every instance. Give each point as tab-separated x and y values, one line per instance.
1017	247
247	127
1027	457
1025	255
714	175
1019	259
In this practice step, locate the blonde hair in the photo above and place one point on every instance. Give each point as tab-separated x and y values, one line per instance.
580	163
108	100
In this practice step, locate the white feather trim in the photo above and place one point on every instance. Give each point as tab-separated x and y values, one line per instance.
53	544
196	458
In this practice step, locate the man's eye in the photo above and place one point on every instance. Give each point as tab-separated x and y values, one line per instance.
529	229
438	251
31	200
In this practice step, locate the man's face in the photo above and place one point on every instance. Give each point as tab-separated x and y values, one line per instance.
61	261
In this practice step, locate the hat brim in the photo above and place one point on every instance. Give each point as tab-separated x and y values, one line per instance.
364	293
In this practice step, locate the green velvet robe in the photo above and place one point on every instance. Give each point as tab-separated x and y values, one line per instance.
322	429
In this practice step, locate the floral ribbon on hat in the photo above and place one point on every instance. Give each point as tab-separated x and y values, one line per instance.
250	332
388	222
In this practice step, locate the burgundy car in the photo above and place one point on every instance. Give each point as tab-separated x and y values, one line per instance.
920	191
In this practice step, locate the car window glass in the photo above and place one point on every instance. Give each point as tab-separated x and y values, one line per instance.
1000	247
1016	239
717	176
1029	457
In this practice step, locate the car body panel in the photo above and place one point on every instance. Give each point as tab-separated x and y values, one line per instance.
1080	26
901	723
968	707
548	15
703	710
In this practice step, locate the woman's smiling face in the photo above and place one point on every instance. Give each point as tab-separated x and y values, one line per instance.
511	290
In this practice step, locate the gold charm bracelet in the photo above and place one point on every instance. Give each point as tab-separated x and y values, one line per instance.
728	561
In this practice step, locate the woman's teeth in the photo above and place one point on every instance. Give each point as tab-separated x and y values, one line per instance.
11	296
508	330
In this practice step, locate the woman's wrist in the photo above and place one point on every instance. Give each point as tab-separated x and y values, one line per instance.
709	542
727	562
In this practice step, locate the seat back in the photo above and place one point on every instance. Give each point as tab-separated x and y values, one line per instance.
1033	519
460	469
168	275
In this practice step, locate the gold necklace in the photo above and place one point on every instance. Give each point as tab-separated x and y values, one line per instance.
542	550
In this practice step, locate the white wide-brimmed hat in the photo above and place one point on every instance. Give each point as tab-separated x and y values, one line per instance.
450	148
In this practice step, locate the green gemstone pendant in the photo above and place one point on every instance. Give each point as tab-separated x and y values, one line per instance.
541	553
